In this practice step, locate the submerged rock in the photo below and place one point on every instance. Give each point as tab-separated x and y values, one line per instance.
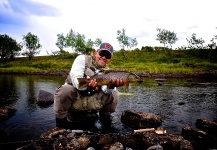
45	97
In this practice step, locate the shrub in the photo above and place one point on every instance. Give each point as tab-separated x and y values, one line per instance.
147	49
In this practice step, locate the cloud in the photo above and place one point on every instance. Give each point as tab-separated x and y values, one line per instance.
18	12
193	27
102	19
32	8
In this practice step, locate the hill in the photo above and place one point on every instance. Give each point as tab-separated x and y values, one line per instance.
174	63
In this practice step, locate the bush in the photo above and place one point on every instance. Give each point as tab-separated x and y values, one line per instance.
147	49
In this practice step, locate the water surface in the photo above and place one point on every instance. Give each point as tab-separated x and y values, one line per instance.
179	102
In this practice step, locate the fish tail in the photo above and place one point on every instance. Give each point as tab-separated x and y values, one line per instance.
138	77
82	82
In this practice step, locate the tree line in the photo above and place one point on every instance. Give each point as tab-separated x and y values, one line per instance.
31	46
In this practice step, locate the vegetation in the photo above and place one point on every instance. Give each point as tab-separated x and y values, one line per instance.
77	42
31	42
9	48
195	43
166	37
61	41
190	59
157	61
124	40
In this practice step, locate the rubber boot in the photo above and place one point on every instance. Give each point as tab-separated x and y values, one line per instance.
62	123
106	123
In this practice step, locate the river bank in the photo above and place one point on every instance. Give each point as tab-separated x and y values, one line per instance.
64	73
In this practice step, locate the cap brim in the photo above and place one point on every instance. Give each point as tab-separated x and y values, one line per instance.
106	50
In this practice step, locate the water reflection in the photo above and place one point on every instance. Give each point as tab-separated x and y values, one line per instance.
8	87
30	120
179	102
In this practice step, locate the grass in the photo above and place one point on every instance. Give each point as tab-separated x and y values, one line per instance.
186	61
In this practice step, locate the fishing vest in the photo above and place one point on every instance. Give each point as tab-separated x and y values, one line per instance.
90	69
86	103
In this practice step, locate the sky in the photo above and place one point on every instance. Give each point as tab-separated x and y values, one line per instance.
103	18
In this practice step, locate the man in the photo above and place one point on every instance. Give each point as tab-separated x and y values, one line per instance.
70	101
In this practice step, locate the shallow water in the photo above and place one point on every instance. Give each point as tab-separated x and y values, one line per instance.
179	102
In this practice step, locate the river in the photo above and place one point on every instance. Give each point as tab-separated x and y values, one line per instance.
178	101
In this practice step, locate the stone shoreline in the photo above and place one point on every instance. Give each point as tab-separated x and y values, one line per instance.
146	138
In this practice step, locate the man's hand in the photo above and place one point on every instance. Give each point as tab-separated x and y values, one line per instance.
93	84
116	83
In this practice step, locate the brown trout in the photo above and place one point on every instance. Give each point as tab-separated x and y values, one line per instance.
108	76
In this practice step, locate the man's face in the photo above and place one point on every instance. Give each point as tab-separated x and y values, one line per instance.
102	58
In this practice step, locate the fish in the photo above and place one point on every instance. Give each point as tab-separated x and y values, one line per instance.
108	76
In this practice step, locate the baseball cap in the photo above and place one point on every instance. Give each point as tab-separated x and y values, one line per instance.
106	47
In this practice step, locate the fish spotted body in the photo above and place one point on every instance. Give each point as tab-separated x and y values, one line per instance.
106	78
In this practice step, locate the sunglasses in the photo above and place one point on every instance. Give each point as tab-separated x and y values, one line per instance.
106	54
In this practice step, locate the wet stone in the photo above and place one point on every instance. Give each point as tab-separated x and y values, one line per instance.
141	119
45	97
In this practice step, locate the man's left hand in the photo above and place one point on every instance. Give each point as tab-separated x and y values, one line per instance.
117	82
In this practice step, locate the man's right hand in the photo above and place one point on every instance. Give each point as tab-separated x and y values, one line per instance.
93	83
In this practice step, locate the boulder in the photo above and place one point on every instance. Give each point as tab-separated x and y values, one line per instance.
199	139
167	141
6	113
141	119
207	126
115	146
45	97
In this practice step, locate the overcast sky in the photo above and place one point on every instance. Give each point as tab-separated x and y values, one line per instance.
102	19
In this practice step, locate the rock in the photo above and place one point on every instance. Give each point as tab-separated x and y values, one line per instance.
199	139
62	143
45	97
155	147
186	145
53	133
160	80
115	146
207	126
130	141
6	113
83	142
90	148
141	119
167	141
105	139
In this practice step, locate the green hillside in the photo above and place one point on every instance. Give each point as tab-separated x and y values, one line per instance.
175	61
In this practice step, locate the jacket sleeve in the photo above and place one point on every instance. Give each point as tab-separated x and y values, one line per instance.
77	70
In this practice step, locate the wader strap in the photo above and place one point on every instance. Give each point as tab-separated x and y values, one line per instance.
88	61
